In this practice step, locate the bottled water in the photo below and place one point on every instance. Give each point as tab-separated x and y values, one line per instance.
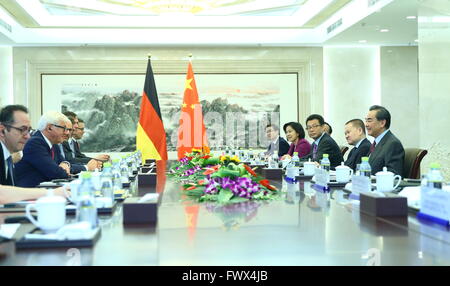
116	176
434	176
295	160
124	170
273	161
86	209
129	163
325	163
107	183
364	168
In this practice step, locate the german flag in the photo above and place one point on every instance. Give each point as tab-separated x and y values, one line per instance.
150	135
191	132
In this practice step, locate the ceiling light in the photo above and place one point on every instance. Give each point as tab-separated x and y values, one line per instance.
363	41
411	17
384	30
416	40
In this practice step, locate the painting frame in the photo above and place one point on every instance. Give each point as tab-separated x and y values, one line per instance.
286	114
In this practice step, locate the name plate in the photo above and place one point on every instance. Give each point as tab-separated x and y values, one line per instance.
322	177
435	203
361	184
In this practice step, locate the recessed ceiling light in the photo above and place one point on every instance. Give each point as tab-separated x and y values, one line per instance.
411	17
416	40
384	30
363	41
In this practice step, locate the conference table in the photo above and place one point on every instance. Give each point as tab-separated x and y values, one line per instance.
302	227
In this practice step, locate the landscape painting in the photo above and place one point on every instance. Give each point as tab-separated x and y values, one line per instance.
236	107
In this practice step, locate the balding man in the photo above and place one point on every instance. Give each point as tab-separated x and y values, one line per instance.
355	134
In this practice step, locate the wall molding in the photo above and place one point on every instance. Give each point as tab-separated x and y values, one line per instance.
34	70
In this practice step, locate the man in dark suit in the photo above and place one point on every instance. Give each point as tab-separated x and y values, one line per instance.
277	143
14	132
386	150
323	143
355	134
65	154
74	145
40	162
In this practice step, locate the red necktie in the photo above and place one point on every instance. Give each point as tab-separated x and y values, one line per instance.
53	153
372	147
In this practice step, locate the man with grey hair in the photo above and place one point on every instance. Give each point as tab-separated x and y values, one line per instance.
40	162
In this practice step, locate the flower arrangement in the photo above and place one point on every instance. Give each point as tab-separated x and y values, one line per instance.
222	179
190	167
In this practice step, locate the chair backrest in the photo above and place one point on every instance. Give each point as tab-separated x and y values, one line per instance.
343	149
411	164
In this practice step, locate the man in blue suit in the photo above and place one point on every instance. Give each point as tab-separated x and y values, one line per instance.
41	162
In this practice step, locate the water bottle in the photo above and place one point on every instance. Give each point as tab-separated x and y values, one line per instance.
295	160
274	163
325	163
434	177
107	183
364	168
124	171
86	209
116	176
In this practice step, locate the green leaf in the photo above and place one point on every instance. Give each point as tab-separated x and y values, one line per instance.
224	196
238	200
212	161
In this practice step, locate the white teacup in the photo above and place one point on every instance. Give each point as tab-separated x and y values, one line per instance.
385	180
309	168
51	213
74	190
292	172
343	173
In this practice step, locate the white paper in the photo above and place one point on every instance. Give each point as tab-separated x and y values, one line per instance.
8	230
435	202
149	197
412	194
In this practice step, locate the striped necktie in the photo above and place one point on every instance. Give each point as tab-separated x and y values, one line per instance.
10	171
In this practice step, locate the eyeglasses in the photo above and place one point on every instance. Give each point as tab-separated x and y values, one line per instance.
64	128
312	127
82	129
24	130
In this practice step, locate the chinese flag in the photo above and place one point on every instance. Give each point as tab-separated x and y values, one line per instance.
192	132
150	135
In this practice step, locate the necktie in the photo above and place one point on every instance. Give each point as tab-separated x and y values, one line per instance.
10	170
314	151
72	147
53	152
62	151
372	147
272	148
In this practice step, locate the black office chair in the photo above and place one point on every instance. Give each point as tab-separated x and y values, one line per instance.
344	149
411	164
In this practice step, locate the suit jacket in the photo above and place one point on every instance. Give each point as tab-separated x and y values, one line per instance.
75	168
283	146
79	157
302	148
388	153
354	158
4	180
327	145
37	165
